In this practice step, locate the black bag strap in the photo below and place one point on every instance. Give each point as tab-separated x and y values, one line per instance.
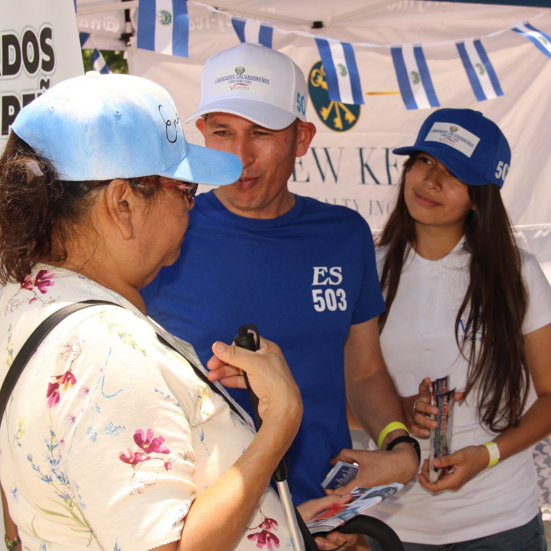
40	333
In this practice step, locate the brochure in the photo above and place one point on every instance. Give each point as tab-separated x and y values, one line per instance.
362	499
440	437
342	473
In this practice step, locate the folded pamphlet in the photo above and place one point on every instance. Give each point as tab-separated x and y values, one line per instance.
362	499
440	437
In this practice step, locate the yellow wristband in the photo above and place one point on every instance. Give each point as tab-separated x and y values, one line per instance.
389	428
493	450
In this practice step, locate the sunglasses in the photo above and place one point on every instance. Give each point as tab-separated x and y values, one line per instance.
187	189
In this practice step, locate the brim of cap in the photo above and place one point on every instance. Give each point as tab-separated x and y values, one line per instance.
456	166
204	165
260	112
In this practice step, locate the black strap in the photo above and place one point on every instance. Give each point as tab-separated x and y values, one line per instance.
32	343
40	333
202	376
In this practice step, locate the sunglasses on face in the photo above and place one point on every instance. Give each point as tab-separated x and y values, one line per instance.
187	189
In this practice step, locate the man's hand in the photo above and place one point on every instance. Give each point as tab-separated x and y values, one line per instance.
380	467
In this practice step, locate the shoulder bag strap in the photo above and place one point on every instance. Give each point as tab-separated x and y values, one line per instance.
202	376
40	333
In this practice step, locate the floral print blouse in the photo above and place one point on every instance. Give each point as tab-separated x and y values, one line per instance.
109	435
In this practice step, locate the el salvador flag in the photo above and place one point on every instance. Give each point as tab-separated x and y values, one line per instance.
83	37
99	64
253	32
163	26
341	71
413	77
480	70
541	40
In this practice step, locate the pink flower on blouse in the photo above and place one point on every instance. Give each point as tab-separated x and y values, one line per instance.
133	458
67	379
43	281
268	523
53	394
265	538
150	444
168	465
27	284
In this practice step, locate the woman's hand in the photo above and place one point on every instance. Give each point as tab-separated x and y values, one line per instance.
310	509
268	374
418	411
466	462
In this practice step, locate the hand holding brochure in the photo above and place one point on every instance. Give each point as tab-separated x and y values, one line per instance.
362	499
440	437
340	475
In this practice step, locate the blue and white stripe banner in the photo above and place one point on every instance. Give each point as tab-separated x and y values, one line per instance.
252	31
341	71
413	77
83	37
163	26
541	40
99	64
480	70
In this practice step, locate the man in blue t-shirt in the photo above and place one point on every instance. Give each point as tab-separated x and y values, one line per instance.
300	270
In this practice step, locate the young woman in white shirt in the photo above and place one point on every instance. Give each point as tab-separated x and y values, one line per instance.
463	301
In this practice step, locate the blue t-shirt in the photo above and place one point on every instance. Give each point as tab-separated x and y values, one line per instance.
302	279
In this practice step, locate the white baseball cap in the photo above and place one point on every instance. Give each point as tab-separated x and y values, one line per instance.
102	127
254	82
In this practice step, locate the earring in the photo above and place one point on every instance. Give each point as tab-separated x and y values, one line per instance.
132	236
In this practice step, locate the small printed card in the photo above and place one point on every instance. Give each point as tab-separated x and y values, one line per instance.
342	473
362	499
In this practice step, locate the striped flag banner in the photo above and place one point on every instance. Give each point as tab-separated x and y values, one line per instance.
480	70
541	40
99	64
163	26
83	37
413	77
252	31
341	71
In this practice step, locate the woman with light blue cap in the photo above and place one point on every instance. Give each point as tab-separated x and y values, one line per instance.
464	302
114	437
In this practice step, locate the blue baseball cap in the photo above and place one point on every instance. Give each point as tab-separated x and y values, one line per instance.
471	146
101	127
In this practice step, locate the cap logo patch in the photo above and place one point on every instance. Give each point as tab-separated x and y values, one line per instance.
244	79
454	136
164	17
171	125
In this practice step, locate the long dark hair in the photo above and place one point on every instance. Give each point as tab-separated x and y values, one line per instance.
39	213
495	301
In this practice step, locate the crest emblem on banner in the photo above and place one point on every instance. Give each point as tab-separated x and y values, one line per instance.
334	114
164	17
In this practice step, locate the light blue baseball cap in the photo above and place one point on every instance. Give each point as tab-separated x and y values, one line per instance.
101	127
